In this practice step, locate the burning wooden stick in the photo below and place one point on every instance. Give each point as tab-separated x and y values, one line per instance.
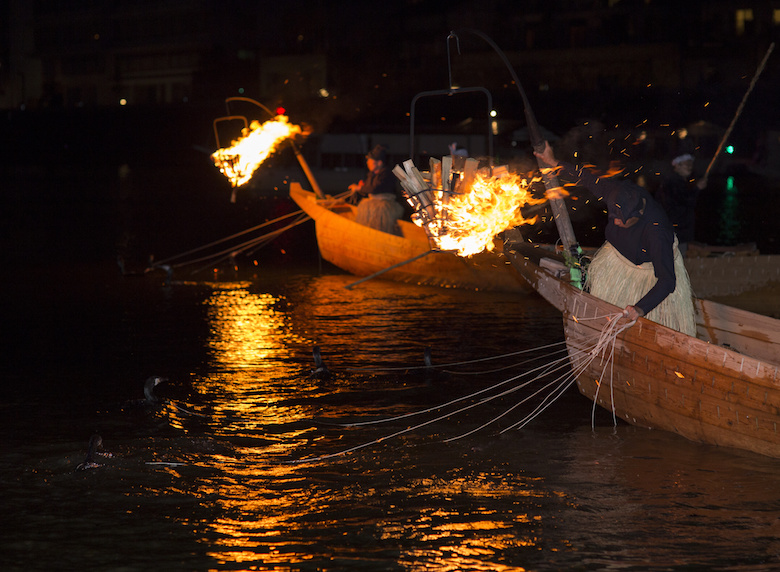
435	166
473	206
469	174
417	191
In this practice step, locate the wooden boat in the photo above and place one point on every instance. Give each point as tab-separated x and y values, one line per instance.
720	387
717	271
363	251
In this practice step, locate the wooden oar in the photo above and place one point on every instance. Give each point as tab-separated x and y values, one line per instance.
739	109
389	268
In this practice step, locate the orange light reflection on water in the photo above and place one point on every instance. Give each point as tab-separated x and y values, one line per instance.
252	346
271	513
251	390
246	329
466	540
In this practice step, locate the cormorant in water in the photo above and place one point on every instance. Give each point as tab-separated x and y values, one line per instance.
149	386
322	370
94	448
151	398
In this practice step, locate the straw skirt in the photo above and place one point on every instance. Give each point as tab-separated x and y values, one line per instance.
617	280
380	212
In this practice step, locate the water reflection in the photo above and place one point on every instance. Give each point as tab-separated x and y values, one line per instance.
279	513
542	497
246	330
730	215
252	348
218	492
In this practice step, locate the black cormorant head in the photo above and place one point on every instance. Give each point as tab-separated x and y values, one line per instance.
149	385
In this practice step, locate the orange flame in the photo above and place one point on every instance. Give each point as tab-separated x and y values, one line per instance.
468	222
239	161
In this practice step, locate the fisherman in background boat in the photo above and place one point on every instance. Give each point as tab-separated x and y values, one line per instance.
379	209
678	194
459	156
639	267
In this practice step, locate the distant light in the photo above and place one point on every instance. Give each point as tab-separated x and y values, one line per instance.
493	113
706	103
324	92
280	110
123	101
730	149
240	90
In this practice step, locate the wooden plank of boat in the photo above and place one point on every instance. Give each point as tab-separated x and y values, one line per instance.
363	251
720	388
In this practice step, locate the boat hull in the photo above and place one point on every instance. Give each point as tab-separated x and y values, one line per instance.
726	395
364	251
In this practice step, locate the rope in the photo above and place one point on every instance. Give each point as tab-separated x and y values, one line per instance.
607	339
230	252
451	364
460	399
603	347
244	247
225	239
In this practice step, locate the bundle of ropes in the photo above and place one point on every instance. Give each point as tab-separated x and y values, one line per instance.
230	247
544	385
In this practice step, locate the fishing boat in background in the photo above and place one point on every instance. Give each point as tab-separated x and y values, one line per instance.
364	251
738	276
720	387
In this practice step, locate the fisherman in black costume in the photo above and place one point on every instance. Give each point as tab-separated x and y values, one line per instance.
639	267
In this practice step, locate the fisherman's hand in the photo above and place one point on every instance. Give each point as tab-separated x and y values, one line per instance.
701	184
633	312
547	156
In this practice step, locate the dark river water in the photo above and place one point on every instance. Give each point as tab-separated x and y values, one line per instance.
247	462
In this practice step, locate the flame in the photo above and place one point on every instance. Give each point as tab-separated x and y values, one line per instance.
239	161
468	222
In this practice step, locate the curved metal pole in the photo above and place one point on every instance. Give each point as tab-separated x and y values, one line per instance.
451	91
227	118
248	100
551	183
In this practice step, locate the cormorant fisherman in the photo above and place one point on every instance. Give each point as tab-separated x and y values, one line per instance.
639	267
379	209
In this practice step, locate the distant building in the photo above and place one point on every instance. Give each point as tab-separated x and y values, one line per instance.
97	53
107	53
